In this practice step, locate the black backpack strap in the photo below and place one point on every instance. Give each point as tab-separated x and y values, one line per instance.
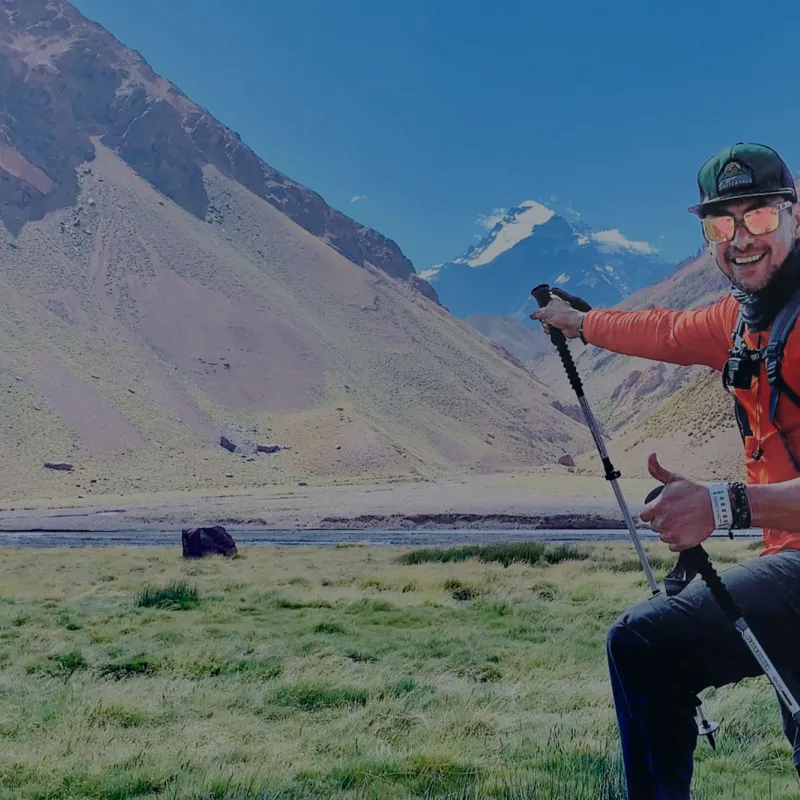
737	335
737	339
773	353
773	356
741	418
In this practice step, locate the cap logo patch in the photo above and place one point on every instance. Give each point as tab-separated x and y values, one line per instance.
734	176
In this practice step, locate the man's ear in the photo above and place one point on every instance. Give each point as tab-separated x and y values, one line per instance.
796	214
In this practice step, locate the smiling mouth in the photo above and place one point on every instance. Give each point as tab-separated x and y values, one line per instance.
746	261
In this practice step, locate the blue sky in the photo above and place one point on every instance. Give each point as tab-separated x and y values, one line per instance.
437	112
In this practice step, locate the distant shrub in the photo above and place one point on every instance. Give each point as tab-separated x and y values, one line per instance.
285	602
309	697
438	554
328	627
533	553
59	664
141	664
177	595
361	658
257	668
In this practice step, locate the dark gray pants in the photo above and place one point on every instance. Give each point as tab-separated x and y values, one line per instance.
664	651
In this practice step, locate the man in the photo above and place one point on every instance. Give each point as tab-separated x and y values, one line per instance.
666	650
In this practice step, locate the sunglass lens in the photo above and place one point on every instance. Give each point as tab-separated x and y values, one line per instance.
761	220
718	229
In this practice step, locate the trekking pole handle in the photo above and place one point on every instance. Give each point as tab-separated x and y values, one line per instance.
698	559
695	561
542	295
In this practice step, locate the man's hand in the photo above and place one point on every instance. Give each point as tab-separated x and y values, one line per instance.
560	314
682	513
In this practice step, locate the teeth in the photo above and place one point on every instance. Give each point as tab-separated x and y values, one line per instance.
748	260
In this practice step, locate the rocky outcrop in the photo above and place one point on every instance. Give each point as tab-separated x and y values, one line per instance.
639	383
59	466
572	411
64	80
500	350
424	288
201	542
248	447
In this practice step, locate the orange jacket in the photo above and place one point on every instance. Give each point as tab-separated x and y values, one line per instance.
703	336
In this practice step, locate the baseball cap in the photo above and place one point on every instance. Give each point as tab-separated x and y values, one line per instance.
742	171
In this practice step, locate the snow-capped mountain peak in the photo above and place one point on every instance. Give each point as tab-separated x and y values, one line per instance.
533	244
517	225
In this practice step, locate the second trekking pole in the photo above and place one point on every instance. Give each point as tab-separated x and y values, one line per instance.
542	295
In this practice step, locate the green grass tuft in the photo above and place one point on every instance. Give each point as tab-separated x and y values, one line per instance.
532	553
177	595
141	664
314	697
328	627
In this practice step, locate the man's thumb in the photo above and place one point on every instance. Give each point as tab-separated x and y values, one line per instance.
658	472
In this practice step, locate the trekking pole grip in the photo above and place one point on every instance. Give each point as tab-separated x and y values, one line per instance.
698	558
541	294
695	561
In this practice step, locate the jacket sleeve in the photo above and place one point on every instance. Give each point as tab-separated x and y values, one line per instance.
699	336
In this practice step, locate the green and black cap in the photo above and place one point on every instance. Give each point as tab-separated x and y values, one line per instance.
742	171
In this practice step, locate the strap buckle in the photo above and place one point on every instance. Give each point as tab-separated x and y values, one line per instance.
773	350
772	355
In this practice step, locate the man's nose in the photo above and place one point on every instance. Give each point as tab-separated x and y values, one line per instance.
742	237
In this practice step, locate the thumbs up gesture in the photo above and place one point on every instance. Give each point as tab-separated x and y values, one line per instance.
682	514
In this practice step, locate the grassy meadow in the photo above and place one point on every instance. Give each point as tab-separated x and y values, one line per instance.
354	672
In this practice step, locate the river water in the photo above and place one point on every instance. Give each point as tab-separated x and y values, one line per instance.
320	538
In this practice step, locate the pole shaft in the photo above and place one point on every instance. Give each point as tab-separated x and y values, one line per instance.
773	676
720	592
637	542
560	341
542	295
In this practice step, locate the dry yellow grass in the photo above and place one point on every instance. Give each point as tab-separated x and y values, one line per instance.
338	673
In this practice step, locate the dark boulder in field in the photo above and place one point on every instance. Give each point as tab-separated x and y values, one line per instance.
211	541
225	442
58	465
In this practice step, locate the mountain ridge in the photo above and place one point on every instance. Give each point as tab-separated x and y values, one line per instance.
139	333
94	85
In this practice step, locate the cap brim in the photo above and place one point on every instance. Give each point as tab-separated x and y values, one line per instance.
720	200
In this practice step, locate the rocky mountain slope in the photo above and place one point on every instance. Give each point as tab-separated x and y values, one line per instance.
525	341
160	288
683	413
64	80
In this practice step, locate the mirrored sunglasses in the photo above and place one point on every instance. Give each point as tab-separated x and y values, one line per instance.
761	220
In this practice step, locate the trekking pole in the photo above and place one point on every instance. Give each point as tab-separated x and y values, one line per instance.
697	562
542	295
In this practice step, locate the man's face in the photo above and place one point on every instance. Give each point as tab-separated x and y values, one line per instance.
750	261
